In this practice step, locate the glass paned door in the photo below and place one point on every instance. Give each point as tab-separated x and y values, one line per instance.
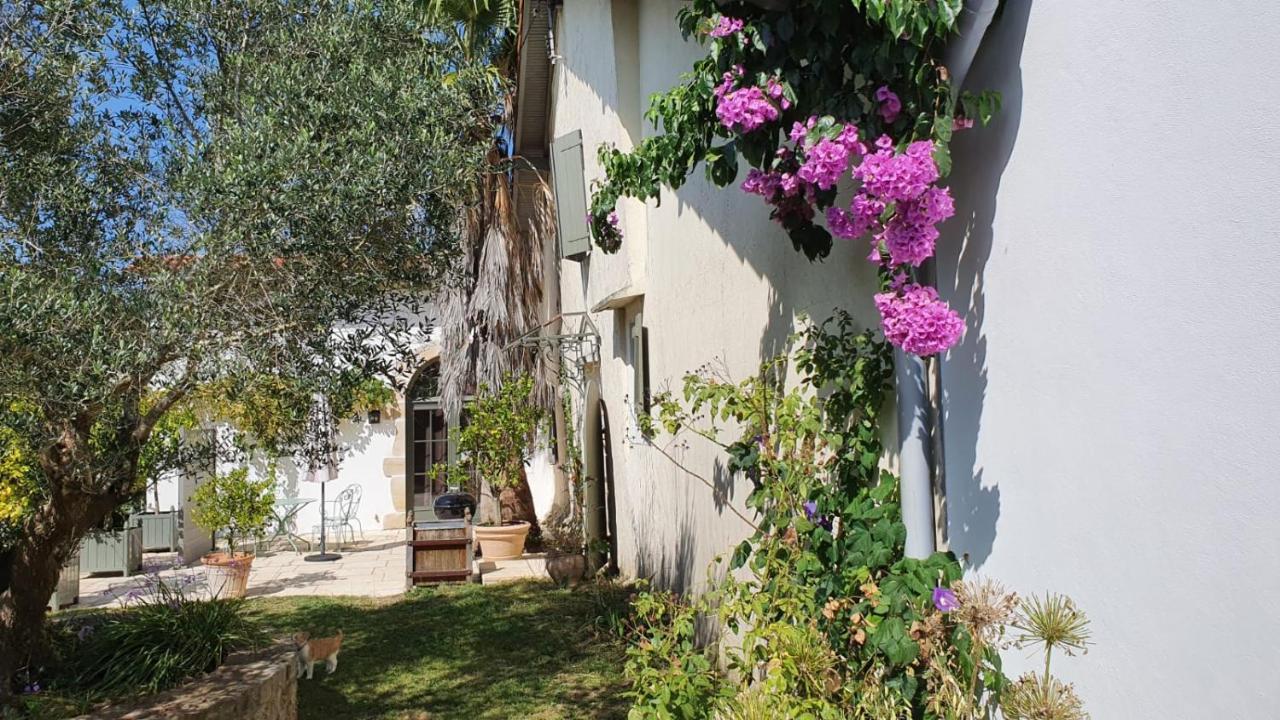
430	448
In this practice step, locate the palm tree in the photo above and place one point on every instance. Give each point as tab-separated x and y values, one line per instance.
483	29
496	292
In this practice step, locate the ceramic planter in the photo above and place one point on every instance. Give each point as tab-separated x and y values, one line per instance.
119	551
227	574
502	542
566	569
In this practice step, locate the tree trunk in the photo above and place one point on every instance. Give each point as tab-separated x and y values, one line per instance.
517	505
34	562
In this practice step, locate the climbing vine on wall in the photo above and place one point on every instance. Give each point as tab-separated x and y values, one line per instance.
810	96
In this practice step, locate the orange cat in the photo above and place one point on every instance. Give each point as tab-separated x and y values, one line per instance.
323	650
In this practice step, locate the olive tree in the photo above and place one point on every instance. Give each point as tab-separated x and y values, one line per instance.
195	192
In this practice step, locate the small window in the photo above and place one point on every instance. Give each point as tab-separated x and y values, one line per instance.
571	196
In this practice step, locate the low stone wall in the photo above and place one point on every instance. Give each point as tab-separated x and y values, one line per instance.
260	685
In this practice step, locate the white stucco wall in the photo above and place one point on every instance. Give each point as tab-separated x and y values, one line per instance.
1112	412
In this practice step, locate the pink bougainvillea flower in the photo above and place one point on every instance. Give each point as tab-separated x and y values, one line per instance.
914	319
911	234
777	93
745	109
961	123
726	26
849	138
861	217
896	177
825	163
800	130
728	80
765	184
890	105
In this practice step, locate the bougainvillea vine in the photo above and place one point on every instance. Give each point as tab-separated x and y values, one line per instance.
820	98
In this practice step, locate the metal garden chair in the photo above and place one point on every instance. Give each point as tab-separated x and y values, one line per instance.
341	517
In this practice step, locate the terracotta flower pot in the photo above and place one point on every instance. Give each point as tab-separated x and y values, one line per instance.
227	573
502	542
566	569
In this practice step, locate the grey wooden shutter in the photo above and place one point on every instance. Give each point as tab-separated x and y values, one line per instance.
571	196
640	362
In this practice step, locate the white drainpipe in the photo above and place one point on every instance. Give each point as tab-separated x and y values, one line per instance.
919	415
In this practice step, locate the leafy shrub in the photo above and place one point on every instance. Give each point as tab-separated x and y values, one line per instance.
670	676
234	504
500	431
833	621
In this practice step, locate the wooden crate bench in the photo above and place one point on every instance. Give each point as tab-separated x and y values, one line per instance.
441	551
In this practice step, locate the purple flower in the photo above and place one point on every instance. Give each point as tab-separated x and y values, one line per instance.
726	26
811	514
800	130
945	600
911	234
890	105
84	633
764	184
31	688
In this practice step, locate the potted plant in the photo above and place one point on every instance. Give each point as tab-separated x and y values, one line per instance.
497	441
566	548
238	508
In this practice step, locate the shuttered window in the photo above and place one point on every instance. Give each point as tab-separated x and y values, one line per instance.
571	196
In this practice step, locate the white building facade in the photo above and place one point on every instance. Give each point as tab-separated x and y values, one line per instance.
387	453
1109	419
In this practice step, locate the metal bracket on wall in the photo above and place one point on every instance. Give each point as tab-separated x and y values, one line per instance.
576	346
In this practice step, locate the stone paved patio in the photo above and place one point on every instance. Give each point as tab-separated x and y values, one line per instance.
373	567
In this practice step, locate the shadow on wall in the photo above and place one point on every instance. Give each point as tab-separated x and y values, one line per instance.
354	438
671	568
980	156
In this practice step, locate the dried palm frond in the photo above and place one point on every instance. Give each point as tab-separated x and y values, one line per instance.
496	296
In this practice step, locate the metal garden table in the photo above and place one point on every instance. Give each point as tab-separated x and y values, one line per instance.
285	510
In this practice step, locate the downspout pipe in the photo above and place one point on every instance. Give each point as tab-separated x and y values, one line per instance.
918	380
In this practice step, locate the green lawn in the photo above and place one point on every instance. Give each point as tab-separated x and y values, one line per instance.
525	650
